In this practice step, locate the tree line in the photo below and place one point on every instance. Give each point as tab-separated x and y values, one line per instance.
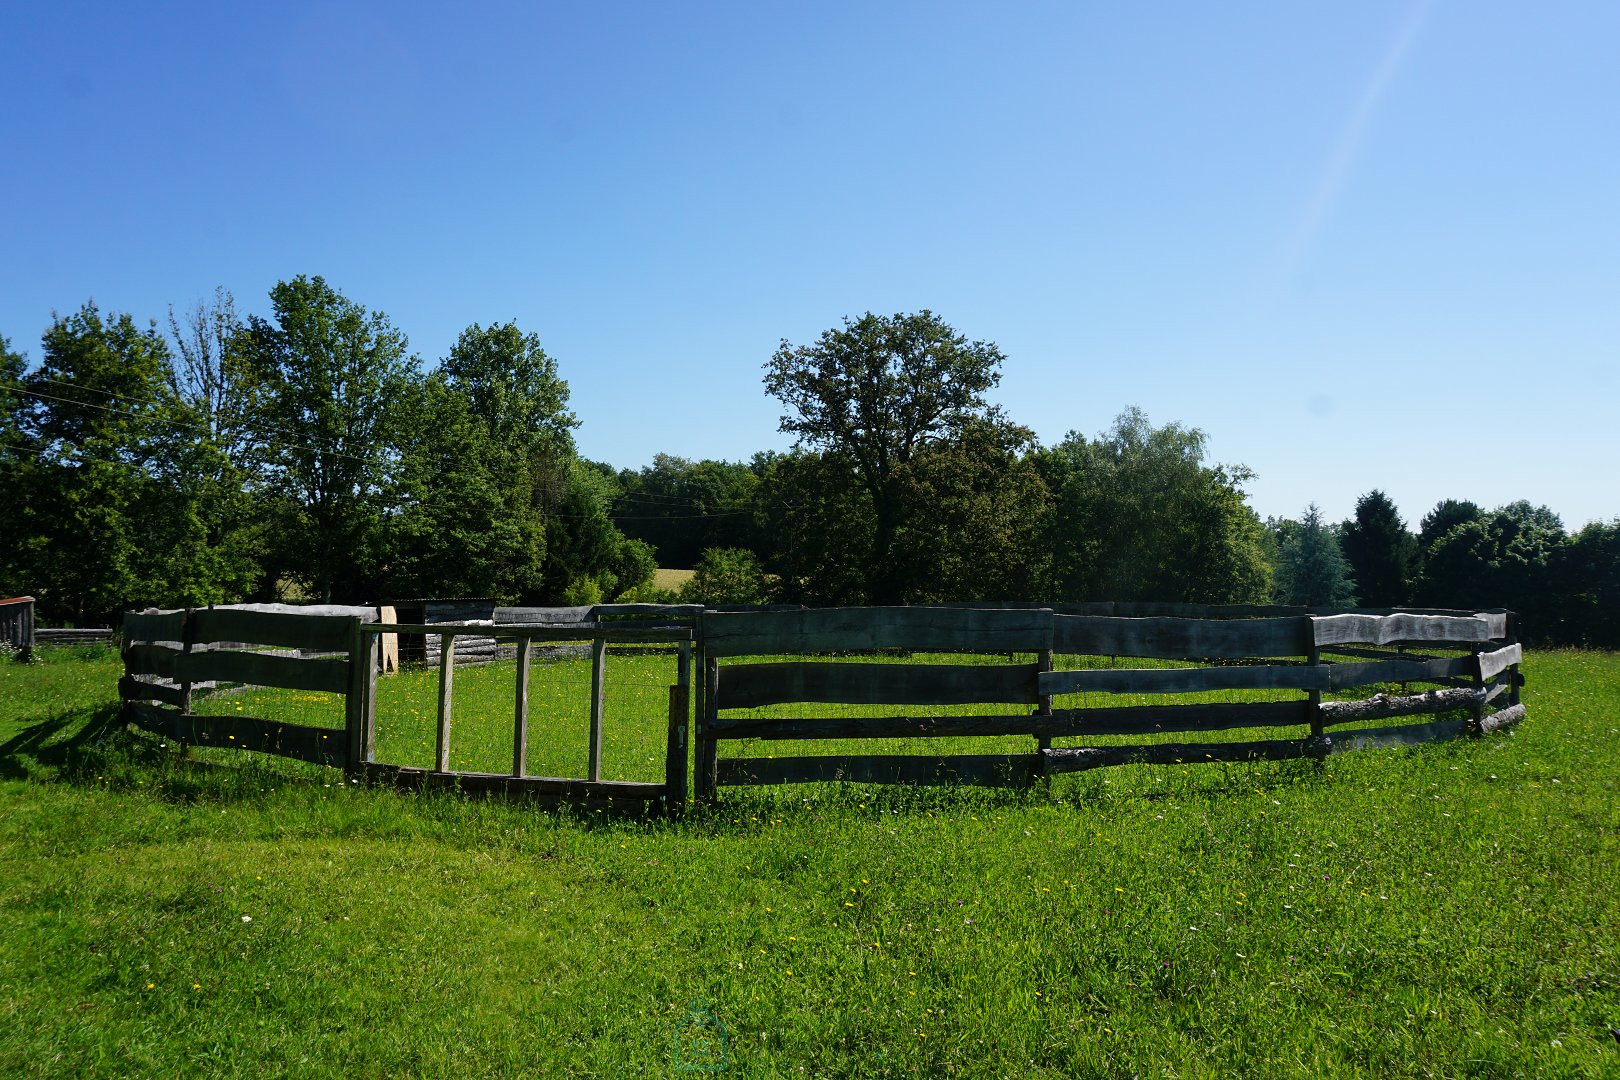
307	453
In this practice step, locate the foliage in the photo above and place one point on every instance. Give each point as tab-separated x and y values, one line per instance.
1585	572
682	507
1383	556
1311	569
1500	560
872	395
582	544
634	569
328	376
1446	515
726	576
1139	516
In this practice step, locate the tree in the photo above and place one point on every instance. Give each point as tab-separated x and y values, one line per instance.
1383	556
328	377
17	461
726	576
684	507
1446	515
1311	570
1586	574
1138	515
872	394
1503	559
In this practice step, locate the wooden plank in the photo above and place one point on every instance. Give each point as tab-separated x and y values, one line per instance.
544	616
1079	758
153	625
1406	735
387	644
1170	638
598	687
360	704
1381	706
990	770
540	632
1130	720
1345	676
746	686
447	676
160	660
264	669
1388	629
922	629
1496	622
675	748
321	633
1492	664
520	720
1184	680
1502	718
619	611
133	689
322	746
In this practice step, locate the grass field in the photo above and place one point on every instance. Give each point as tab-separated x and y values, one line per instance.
1452	910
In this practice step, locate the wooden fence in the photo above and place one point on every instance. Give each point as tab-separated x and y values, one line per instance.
788	658
1291	653
17	623
170	656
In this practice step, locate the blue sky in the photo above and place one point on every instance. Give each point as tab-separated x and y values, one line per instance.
1371	245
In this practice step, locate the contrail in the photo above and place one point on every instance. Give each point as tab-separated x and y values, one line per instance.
1331	182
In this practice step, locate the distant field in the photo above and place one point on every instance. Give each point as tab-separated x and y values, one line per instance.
1444	911
671	579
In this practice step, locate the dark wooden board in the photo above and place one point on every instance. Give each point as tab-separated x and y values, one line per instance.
990	770
1388	629
1184	680
1146	719
1191	639
323	746
1076	759
277	628
160	660
154	626
133	689
539	632
264	669
1345	676
923	629
745	686
1405	735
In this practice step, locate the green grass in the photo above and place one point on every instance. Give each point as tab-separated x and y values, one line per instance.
1445	911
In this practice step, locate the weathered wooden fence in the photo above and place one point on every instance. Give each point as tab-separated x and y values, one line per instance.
17	623
1022	665
170	656
1306	654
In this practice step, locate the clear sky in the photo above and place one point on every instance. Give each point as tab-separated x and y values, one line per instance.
1368	245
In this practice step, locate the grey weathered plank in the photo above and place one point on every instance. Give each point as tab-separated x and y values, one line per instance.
1345	676
1075	759
744	686
593	762
520	713
328	633
264	669
360	702
1495	621
323	746
1502	718
675	746
1387	629
1170	638
541	632
1405	735
133	689
1381	706
153	626
991	770
160	660
1130	720
1184	680
923	629
1492	664
447	676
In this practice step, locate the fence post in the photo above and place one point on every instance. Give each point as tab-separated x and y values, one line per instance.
1313	657
676	749
1043	743
447	675
188	638
1513	672
359	708
598	675
706	759
520	726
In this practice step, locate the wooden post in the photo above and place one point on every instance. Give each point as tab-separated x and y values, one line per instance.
187	639
447	674
598	672
1513	672
707	756
1478	713
520	727
1313	657
1043	743
677	747
360	705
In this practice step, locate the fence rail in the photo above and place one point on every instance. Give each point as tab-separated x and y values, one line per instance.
927	673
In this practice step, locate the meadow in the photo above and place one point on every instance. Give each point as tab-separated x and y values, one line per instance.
1447	910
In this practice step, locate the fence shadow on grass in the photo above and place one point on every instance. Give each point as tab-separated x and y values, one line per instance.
60	743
